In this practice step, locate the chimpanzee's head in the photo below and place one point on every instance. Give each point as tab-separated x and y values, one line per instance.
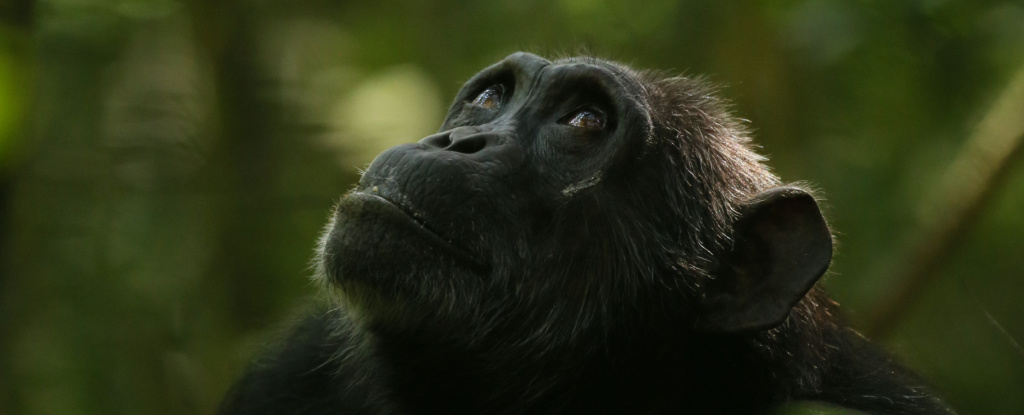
575	196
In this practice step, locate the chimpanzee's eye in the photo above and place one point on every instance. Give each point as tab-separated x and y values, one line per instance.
491	97
589	118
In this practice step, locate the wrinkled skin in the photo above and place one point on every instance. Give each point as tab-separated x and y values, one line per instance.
579	237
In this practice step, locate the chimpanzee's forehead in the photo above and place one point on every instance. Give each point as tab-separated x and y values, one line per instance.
529	60
534	67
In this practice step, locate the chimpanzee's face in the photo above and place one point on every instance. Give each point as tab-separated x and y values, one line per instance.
524	139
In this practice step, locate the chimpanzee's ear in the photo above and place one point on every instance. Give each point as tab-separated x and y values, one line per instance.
781	246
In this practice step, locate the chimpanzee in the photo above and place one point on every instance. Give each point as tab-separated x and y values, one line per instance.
580	238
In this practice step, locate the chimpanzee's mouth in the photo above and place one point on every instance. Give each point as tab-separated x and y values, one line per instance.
424	227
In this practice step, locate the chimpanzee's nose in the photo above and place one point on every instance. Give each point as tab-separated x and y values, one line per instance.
465	140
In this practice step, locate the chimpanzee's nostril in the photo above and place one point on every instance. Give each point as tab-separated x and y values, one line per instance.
468	145
465	140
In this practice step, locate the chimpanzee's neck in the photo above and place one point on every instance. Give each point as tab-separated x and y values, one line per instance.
648	372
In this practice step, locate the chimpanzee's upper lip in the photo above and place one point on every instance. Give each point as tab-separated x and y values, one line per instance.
409	212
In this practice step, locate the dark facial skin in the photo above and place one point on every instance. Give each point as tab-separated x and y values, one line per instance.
579	238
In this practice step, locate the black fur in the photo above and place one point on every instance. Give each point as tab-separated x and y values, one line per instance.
516	263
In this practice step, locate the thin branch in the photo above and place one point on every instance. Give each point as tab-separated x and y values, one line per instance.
967	188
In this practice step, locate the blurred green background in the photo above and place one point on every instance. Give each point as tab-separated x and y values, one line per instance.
166	166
